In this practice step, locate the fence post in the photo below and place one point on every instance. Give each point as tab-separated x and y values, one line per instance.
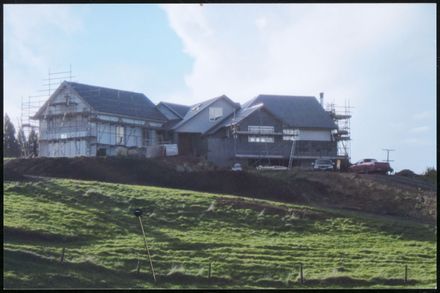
138	267
406	274
209	271
62	255
301	273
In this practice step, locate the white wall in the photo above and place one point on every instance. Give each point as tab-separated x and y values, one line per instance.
319	135
69	148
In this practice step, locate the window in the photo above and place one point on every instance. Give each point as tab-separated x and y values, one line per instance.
289	134
119	134
267	139
261	129
215	113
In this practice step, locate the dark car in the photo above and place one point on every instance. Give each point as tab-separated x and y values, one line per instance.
323	165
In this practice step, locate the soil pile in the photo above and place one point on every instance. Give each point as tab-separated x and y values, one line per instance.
385	195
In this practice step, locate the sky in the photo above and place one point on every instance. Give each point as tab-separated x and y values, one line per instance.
379	58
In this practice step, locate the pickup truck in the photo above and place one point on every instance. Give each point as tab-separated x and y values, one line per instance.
370	166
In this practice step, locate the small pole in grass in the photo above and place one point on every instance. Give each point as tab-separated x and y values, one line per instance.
209	271
138	213
301	276
138	267
406	274
62	255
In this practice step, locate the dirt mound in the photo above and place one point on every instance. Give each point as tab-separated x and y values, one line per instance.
406	173
377	194
154	172
12	175
367	193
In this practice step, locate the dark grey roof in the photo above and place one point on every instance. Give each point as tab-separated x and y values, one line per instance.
199	107
296	111
115	101
170	123
179	110
242	114
235	118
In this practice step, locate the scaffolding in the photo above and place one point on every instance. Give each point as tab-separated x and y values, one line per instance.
341	115
69	129
31	104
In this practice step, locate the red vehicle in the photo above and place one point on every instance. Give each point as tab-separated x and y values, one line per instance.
370	166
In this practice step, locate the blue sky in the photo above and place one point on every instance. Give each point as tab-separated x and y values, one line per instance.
380	57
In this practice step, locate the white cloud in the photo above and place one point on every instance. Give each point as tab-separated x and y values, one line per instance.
422	115
261	22
419	129
416	142
31	49
284	49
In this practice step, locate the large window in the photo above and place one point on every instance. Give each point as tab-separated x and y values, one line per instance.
215	113
289	134
120	135
261	129
267	139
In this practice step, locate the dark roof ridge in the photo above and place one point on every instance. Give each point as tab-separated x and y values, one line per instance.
103	87
174	104
274	95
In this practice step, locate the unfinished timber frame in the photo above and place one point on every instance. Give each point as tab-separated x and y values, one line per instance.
69	126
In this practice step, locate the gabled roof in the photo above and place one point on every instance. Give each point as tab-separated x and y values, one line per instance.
242	114
296	111
179	110
113	101
117	101
199	107
235	118
238	116
170	123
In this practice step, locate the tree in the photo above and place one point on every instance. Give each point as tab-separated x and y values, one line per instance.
10	144
22	143
33	143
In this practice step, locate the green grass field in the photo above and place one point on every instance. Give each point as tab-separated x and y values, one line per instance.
249	243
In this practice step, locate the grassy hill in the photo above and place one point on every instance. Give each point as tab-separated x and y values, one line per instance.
249	243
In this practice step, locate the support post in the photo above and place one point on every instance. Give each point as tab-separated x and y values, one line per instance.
62	255
138	267
301	276
406	274
146	248
209	271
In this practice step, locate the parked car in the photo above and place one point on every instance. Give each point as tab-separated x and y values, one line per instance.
237	167
370	166
272	168
323	165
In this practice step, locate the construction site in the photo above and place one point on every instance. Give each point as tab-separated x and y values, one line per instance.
74	119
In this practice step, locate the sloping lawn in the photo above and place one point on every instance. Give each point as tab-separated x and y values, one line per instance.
247	243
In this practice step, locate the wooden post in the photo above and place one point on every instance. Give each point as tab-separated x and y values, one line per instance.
62	255
209	271
146	248
138	267
406	274
301	273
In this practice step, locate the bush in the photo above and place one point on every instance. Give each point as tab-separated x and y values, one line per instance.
431	174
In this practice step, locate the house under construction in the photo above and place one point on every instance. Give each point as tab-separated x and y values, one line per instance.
85	120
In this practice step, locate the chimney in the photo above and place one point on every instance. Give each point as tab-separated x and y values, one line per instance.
321	99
